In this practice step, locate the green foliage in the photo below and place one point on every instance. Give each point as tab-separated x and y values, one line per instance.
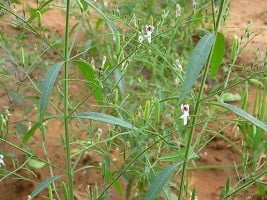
158	182
47	88
89	74
29	134
104	118
244	115
253	133
217	54
197	61
43	185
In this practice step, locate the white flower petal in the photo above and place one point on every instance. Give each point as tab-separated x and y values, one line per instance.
149	39
2	160
184	117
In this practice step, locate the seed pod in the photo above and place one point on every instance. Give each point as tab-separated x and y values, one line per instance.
147	110
235	48
157	112
39	17
22	56
118	43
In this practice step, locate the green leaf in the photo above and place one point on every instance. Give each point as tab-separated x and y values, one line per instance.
217	54
196	62
244	114
89	74
36	163
193	196
105	118
44	184
261	190
29	134
116	184
178	157
158	182
47	88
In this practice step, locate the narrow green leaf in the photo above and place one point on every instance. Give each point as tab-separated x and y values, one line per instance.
158	182
89	74
104	118
47	88
196	62
217	54
193	195
244	114
29	134
44	184
178	157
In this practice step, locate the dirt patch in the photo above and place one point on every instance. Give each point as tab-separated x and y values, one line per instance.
240	12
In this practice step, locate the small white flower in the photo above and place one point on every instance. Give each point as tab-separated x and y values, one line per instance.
185	115
2	161
178	10
179	65
29	197
149	31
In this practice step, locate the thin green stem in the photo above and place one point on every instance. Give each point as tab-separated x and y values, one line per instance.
66	104
189	141
247	184
213	15
30	154
50	169
127	166
198	102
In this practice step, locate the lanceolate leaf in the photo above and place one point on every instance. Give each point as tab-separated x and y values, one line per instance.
244	114
93	82
217	54
158	182
47	88
44	184
196	62
104	118
29	134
